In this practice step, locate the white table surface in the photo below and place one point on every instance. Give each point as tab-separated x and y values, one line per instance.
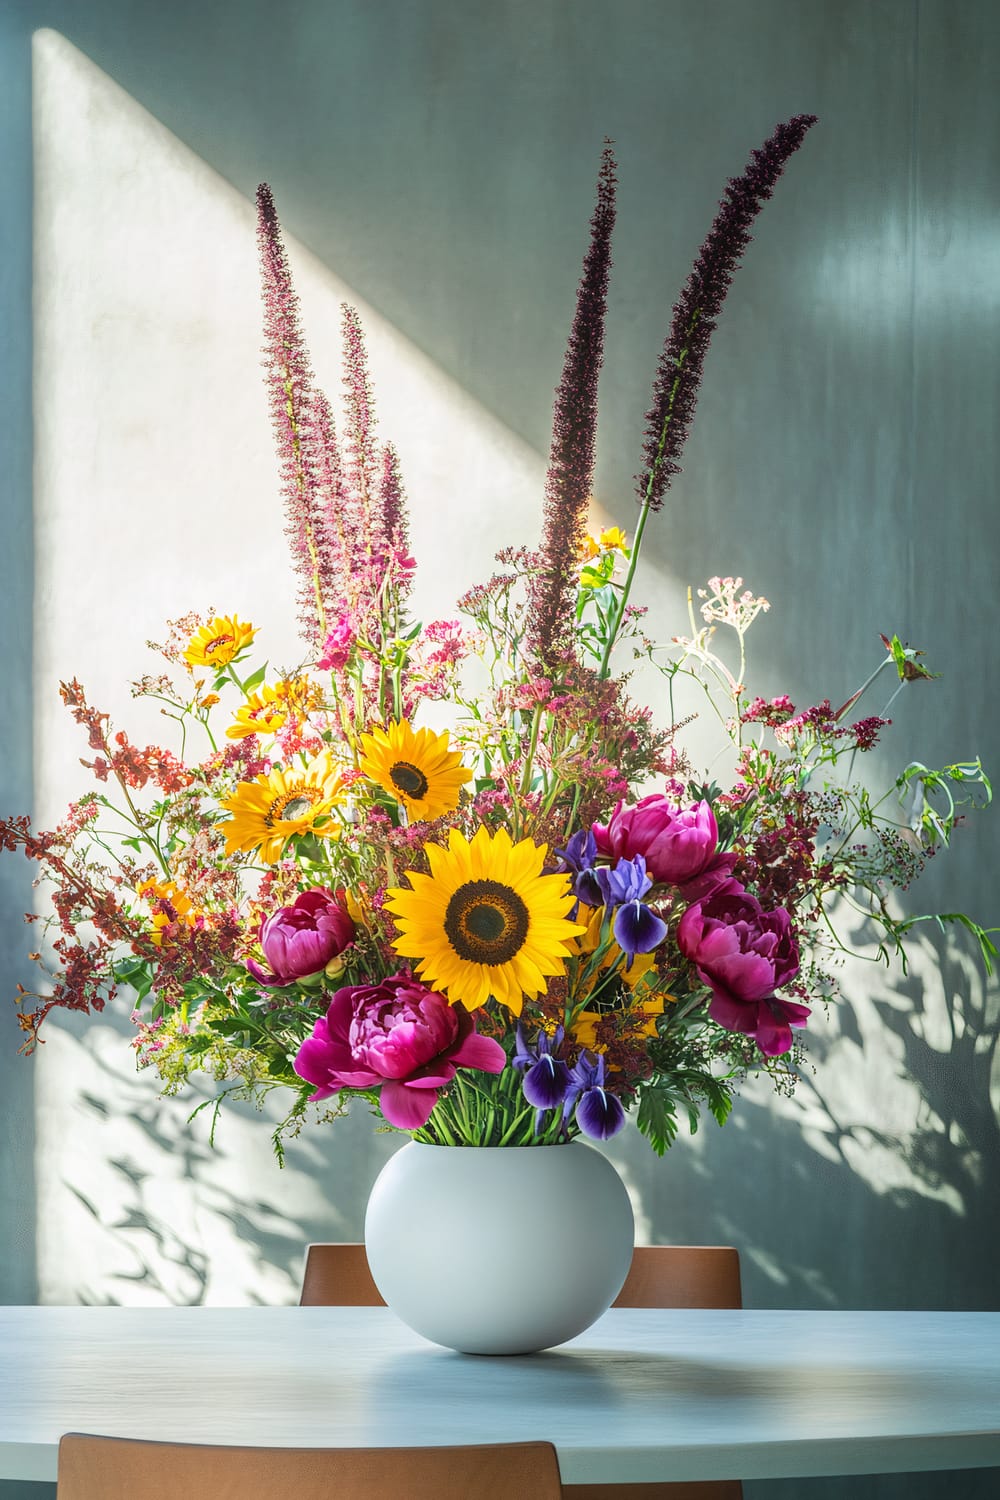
643	1395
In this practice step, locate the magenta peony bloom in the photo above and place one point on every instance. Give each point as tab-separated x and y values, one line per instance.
300	940
397	1036
744	953
677	843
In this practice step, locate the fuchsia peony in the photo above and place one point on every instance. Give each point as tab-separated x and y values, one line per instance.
301	940
744	953
397	1036
679	844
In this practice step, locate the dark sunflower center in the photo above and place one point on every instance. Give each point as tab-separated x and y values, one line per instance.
486	922
407	779
216	642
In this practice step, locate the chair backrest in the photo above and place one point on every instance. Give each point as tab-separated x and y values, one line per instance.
105	1468
682	1276
338	1276
660	1276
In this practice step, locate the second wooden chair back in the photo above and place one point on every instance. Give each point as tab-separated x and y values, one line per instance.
105	1468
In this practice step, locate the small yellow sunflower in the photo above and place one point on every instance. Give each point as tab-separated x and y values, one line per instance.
270	810
262	713
486	921
266	711
417	767
169	903
219	642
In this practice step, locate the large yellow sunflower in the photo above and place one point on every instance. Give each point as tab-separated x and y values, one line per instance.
417	767
270	810
219	642
485	921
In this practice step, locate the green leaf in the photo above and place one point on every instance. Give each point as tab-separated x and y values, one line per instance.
256	678
657	1118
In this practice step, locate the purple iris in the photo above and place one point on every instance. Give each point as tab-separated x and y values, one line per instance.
599	1113
637	928
578	858
546	1077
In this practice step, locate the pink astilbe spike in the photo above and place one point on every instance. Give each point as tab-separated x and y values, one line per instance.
336	518
289	381
361	453
393	522
568	484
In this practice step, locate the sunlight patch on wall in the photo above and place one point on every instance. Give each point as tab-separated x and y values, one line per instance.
157	493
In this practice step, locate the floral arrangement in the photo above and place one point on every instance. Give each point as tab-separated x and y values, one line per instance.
519	929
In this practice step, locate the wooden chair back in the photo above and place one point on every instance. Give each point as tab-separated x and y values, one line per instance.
682	1276
338	1276
105	1468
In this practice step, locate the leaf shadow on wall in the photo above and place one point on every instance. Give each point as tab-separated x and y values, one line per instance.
889	1148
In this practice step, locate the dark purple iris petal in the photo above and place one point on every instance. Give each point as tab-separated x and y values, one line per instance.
525	1055
587	888
637	929
580	852
599	1114
545	1083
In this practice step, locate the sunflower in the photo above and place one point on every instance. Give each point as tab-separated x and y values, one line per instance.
270	810
219	642
265	712
262	713
486	921
417	767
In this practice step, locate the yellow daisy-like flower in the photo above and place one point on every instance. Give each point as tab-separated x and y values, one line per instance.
642	1016
170	904
486	921
218	643
270	810
263	713
418	767
611	539
643	1009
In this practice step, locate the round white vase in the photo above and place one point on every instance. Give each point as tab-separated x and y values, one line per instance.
499	1249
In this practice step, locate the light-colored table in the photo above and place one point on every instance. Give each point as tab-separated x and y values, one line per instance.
641	1396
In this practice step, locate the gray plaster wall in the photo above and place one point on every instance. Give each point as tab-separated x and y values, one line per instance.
438	158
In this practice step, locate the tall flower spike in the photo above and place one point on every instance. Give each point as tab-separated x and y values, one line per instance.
360	448
678	374
289	380
336	528
569	481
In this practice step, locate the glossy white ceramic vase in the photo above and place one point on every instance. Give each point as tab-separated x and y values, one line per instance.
499	1249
